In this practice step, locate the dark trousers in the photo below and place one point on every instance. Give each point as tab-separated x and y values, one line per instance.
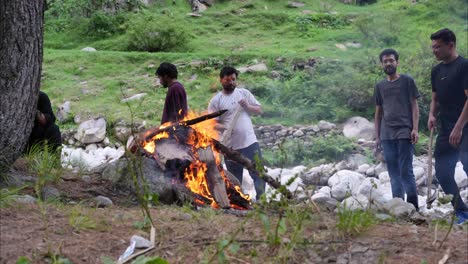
254	154
446	158
51	134
399	157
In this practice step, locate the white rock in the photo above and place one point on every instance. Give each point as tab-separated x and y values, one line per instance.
242	69
399	208
325	126
355	160
325	190
261	67
341	46
78	158
24	199
134	97
418	172
345	176
353	44
384	177
370	172
342	165
298	133
89	49
91	131
356	202
460	176
102	201
91	147
64	111
381	167
363	168
344	183
320	195
359	127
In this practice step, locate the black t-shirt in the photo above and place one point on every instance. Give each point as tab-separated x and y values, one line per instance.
449	82
395	98
175	105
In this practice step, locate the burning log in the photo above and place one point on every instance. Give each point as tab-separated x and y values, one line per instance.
149	134
236	156
214	178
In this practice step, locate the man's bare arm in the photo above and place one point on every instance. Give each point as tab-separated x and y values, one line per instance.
457	131
377	124
415	114
431	122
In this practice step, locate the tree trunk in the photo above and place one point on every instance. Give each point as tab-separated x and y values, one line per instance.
21	35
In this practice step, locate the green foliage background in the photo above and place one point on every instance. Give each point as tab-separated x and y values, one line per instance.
241	33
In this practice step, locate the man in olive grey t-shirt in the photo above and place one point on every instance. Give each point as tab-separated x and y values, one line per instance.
396	125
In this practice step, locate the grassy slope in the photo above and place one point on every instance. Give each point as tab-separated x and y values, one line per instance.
240	33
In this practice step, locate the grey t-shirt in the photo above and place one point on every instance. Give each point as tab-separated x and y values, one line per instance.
395	99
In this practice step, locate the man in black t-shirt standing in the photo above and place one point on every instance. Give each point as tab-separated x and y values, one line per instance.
396	125
449	93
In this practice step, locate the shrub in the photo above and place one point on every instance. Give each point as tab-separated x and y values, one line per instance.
321	20
44	163
354	222
103	25
378	31
148	32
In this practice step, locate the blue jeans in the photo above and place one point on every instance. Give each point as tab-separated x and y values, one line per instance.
253	153
398	154
446	158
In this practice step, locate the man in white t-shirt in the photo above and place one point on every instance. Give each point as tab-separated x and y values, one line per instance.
235	125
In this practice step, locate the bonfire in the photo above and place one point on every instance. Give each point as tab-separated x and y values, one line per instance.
193	143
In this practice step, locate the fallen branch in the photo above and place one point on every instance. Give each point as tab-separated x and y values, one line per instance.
445	257
452	221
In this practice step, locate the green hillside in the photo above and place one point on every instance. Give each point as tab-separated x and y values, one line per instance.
132	41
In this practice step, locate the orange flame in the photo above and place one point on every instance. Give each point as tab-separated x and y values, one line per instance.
200	136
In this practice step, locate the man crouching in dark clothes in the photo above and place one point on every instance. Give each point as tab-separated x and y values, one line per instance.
45	128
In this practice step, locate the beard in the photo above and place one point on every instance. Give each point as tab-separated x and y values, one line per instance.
390	70
229	88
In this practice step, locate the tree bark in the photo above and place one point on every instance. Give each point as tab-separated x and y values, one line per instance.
21	47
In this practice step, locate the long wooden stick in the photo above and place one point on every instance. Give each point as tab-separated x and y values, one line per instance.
190	122
429	171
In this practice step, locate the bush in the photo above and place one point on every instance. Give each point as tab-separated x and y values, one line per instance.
102	25
148	32
378	31
321	20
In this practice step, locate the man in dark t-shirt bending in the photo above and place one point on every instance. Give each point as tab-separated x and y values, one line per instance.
396	125
449	93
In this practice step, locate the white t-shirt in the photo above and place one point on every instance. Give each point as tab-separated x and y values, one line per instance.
243	134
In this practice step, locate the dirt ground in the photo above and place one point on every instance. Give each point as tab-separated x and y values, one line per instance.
75	230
